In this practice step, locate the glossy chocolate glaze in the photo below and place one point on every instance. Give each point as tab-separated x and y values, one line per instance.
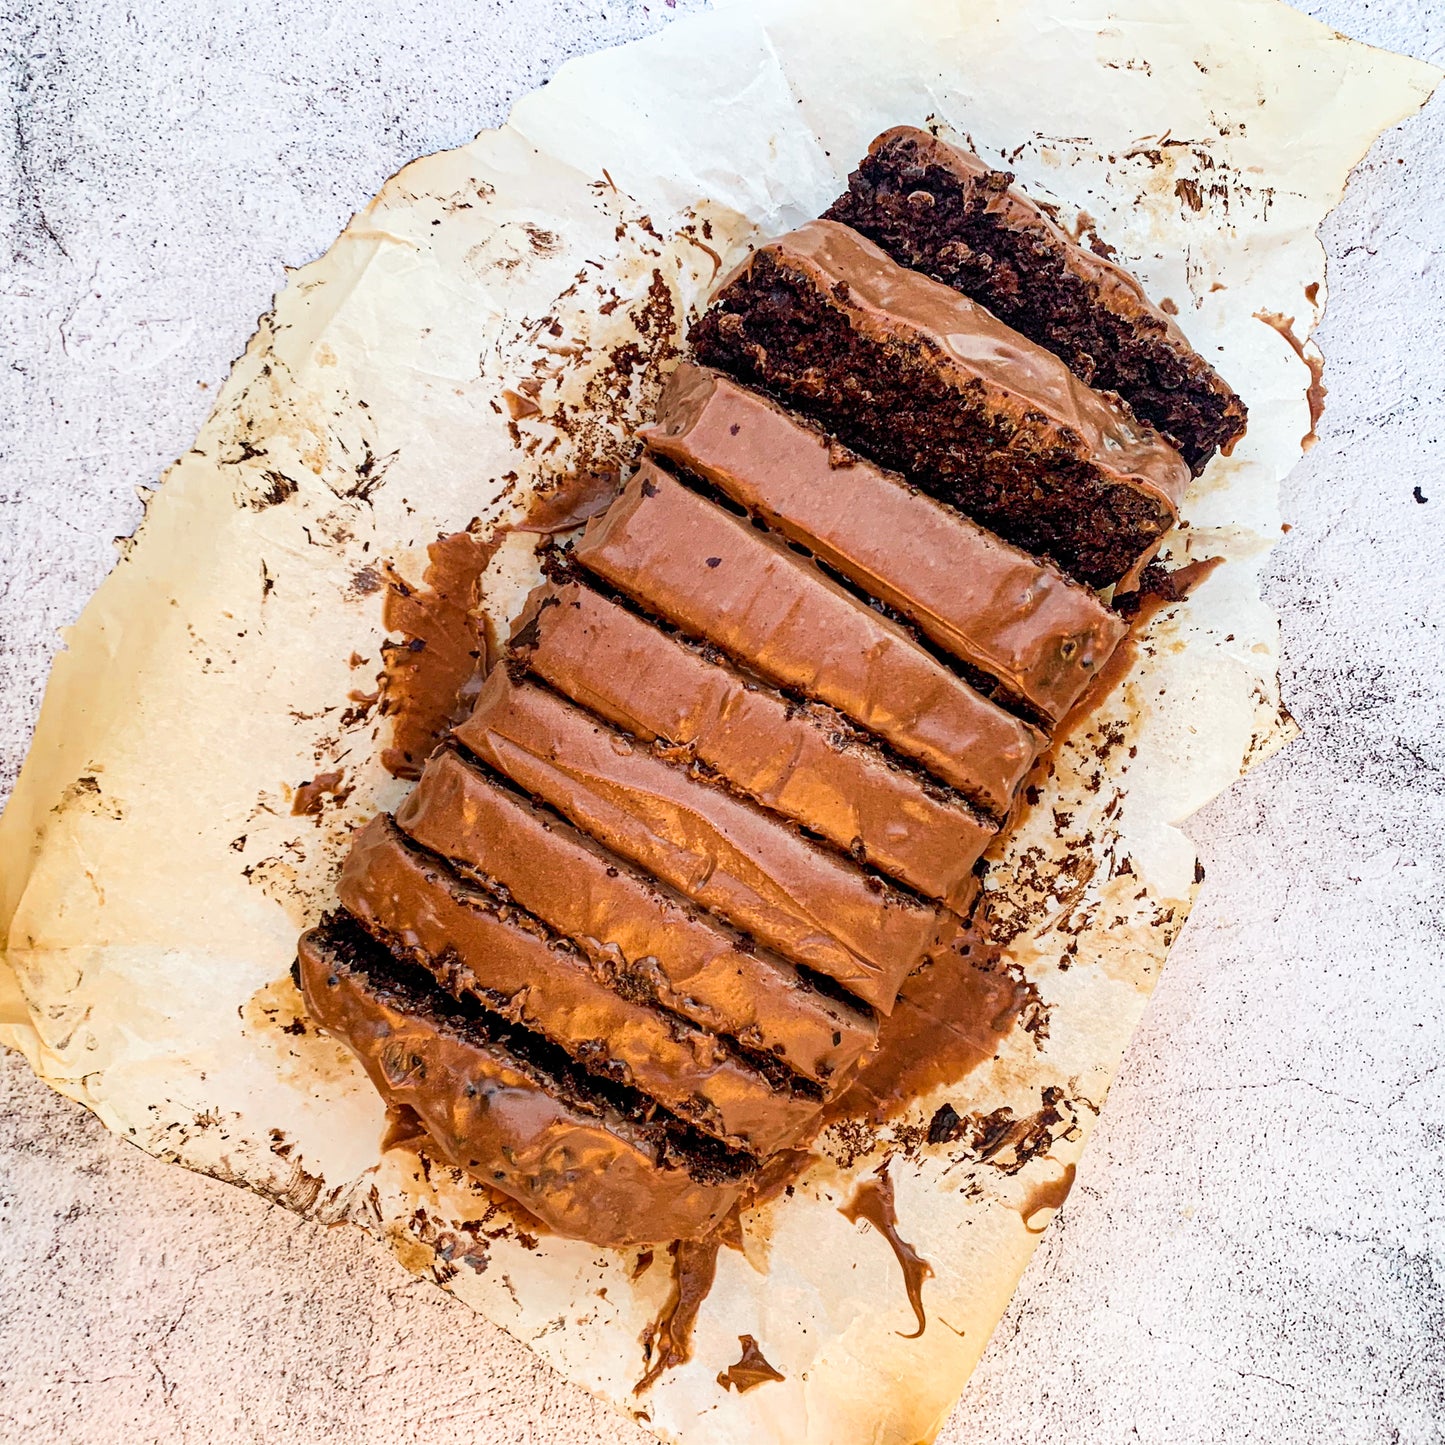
991	605
795	896
688	560
642	934
578	1161
505	960
798	760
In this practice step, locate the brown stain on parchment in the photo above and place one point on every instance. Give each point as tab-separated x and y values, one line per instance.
276	1015
1045	1196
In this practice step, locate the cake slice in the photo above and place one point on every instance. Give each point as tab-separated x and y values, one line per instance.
1033	634
647	939
939	209
801	761
919	378
587	1158
687	560
807	902
506	961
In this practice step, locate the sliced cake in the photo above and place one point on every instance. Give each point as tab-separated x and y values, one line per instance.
802	761
939	209
649	941
1029	632
919	378
587	1158
806	901
504	960
685	559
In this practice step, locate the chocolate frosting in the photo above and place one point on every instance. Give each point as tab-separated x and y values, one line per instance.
504	959
807	902
989	604
645	936
574	1160
794	759
718	578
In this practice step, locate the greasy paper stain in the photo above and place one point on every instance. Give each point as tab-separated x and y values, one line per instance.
1048	1194
873	1200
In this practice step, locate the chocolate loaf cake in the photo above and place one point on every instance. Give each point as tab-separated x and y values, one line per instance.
811	904
681	556
647	939
698	872
801	761
1031	636
505	960
939	209
919	378
586	1157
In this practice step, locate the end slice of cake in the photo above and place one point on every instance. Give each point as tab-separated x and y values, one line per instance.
939	209
588	1159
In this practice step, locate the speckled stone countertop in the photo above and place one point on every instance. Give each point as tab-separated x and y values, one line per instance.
1256	1247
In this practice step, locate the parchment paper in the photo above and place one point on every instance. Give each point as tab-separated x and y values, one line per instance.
153	879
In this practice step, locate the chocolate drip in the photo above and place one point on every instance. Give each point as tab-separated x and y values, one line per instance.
431	679
873	1201
667	1342
1050	1194
751	1370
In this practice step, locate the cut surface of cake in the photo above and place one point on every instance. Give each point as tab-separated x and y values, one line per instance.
917	377
939	209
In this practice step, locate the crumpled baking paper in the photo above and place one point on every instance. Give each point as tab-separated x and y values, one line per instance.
152	875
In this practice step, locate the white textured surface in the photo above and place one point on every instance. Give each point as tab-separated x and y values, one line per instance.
1255	1247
